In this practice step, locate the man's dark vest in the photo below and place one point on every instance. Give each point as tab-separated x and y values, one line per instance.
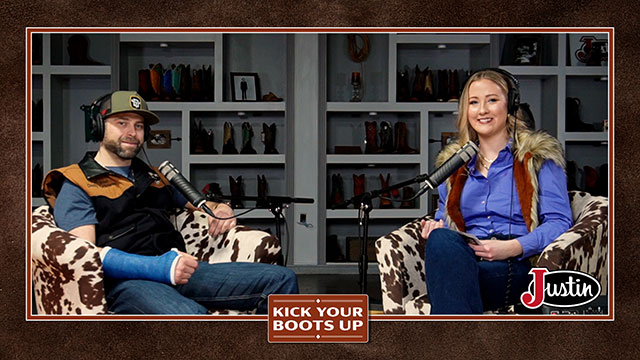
132	216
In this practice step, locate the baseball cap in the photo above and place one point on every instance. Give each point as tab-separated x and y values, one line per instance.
127	101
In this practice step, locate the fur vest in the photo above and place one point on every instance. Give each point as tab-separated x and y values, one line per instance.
530	152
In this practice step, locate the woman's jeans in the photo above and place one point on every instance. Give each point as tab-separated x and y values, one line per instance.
460	283
234	285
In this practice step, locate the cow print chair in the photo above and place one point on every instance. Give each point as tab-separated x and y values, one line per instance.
584	247
67	271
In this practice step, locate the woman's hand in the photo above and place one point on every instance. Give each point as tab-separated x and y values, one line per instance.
429	225
493	250
217	227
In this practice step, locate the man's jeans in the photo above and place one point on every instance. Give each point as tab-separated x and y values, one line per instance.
458	283
235	285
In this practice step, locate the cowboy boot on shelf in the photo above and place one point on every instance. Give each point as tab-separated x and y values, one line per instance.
247	135
428	94
385	203
236	190
176	74
185	82
402	86
590	180
144	84
386	137
167	86
209	143
401	139
155	72
262	193
443	85
454	85
358	186
196	85
207	83
269	138
337	192
408	193
229	146
371	142
418	84
197	140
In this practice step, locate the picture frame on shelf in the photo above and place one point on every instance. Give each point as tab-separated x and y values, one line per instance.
245	86
159	139
522	50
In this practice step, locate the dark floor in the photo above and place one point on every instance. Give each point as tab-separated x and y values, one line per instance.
341	284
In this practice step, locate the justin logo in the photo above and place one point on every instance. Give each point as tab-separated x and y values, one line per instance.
561	288
590	46
135	103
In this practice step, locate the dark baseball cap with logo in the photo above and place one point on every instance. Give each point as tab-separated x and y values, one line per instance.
127	101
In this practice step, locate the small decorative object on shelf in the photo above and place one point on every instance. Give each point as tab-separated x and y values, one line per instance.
159	139
448	137
588	49
356	82
522	50
271	97
245	86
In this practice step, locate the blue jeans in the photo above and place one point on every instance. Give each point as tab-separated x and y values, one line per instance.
459	283
234	285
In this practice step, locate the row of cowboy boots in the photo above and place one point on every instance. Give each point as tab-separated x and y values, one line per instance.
387	137
236	187
175	83
268	136
428	85
337	198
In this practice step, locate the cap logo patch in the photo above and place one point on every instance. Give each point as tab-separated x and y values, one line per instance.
135	103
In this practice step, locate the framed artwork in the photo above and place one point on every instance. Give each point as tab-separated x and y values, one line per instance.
159	139
245	86
527	49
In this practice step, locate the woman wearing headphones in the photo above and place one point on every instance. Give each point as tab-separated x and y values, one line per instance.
512	195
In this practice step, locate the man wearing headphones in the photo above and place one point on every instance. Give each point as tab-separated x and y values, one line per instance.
114	200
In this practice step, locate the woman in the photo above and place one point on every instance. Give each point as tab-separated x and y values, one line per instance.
512	194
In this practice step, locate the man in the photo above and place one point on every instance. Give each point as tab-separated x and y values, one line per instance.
114	200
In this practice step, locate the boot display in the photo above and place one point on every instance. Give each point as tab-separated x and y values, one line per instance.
269	138
262	193
428	93
385	203
358	186
236	187
408	193
247	135
418	84
371	139
386	137
336	200
144	84
401	139
229	145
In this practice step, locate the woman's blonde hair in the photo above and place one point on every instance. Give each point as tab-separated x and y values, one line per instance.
466	132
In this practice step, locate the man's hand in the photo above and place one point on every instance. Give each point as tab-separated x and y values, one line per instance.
187	265
494	250
217	227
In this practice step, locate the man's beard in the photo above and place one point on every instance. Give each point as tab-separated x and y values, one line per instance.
115	146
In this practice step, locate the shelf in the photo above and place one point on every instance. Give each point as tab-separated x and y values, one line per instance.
376	213
465	40
374	159
237	159
587	136
37	136
255	214
532	70
168	37
587	70
216	106
74	70
392	106
37	70
37	202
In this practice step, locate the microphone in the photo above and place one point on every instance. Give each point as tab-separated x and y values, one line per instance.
451	165
179	182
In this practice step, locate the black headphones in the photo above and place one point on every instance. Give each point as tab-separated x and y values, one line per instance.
94	120
513	96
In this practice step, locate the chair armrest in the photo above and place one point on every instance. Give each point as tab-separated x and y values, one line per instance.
400	256
241	243
584	247
67	270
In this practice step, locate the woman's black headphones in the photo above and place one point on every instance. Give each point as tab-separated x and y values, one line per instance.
513	96
94	119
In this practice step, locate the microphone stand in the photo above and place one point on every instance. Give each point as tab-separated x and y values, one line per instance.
364	205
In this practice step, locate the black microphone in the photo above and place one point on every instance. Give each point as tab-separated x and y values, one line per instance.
456	161
179	182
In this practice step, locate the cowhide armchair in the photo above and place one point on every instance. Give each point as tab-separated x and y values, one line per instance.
584	247
67	271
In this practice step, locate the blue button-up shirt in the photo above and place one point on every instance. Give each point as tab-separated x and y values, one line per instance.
484	203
